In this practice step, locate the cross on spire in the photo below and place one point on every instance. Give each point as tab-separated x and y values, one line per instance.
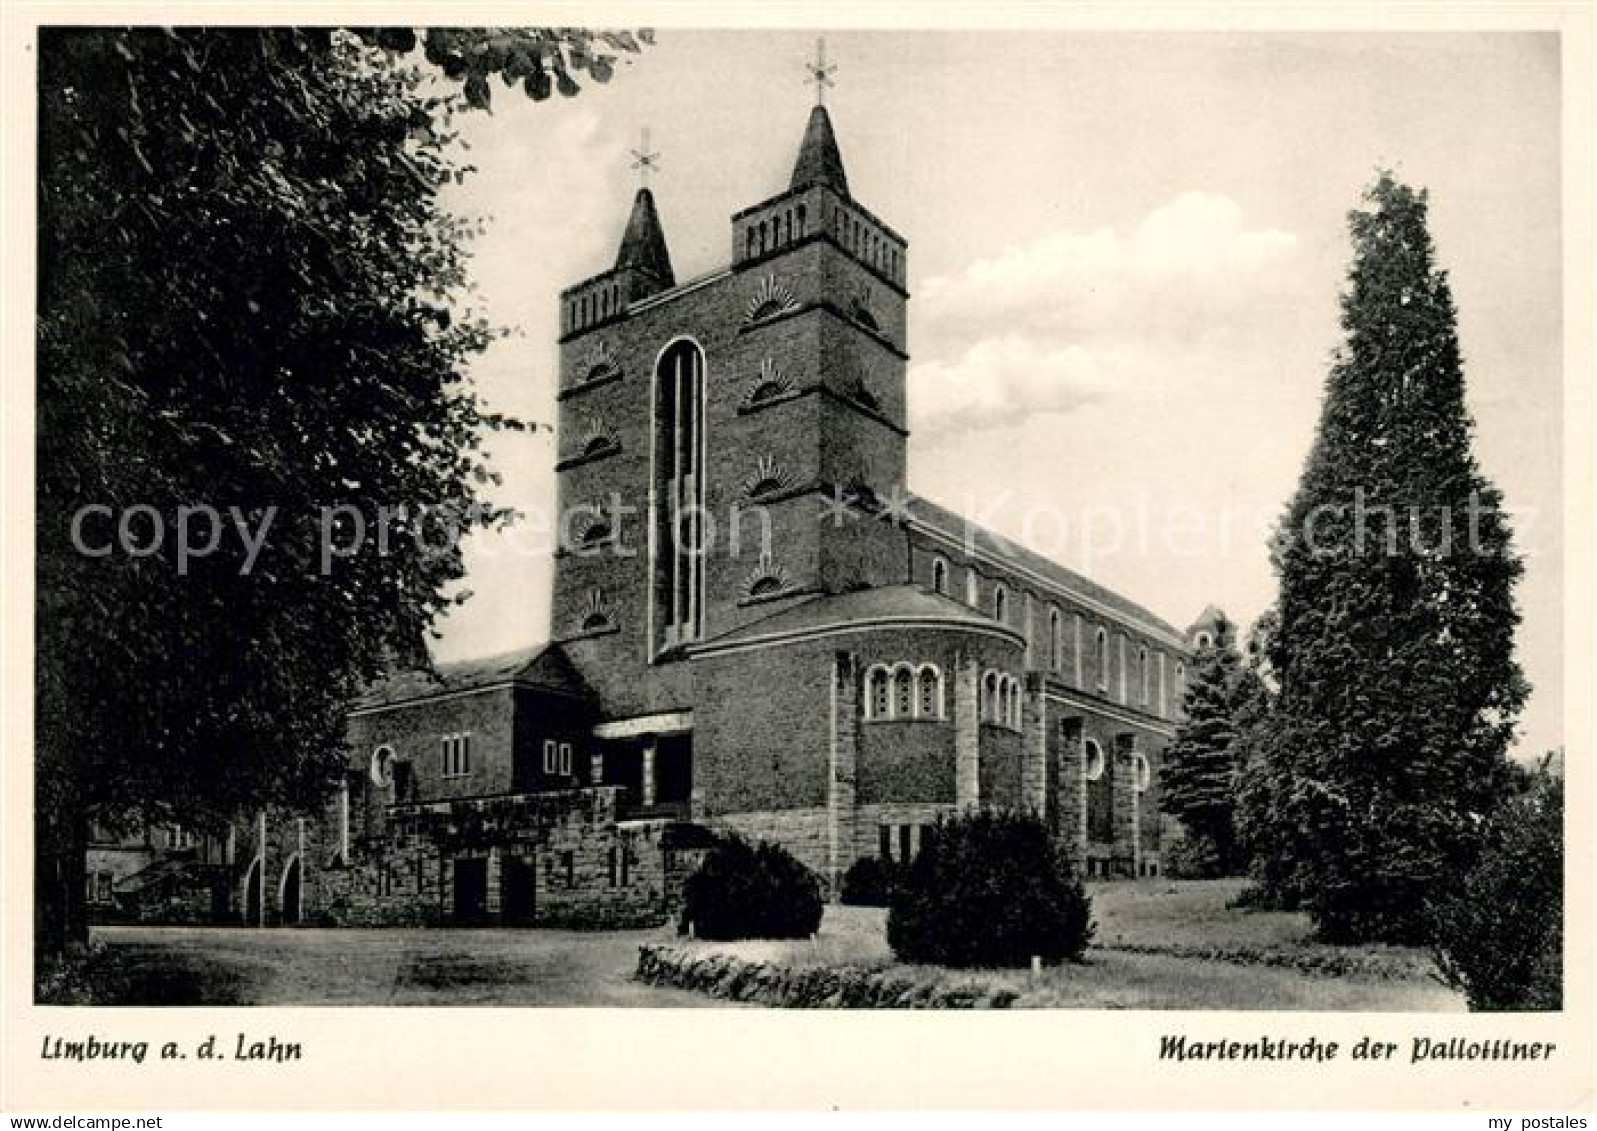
645	160
820	72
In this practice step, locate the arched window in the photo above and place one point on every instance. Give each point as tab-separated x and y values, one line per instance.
679	473
1203	640
972	589
1164	691
939	576
903	693
1181	682
1141	772
748	249
1001	604
988	708
930	705
1123	685
1144	677
1094	764
1101	659
802	224
878	695
1055	641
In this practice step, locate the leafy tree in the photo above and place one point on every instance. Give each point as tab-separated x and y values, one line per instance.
1500	938
1393	653
1198	783
249	296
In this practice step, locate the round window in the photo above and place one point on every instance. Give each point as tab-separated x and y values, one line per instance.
1094	767
383	766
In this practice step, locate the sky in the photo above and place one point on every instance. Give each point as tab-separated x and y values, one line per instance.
1125	254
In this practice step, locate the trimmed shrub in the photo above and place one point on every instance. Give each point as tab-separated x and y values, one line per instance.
989	889
1500	939
870	882
742	891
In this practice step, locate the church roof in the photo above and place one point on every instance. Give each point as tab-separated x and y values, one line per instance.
887	602
819	162
643	243
955	526
542	665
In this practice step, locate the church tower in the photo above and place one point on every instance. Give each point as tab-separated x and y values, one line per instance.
705	425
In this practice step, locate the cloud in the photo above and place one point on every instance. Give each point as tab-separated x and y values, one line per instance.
998	380
1062	321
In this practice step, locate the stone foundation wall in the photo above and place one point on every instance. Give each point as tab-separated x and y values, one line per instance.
806	833
543	859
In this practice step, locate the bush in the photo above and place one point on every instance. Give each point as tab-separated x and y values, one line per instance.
870	882
989	889
1192	857
1263	897
1500	938
746	892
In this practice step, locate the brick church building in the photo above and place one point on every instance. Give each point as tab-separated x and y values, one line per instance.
755	625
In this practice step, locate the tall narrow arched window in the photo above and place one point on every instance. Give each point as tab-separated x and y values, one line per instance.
1075	649
1093	764
989	697
903	693
878	697
939	576
1055	639
802	223
1001	604
1145	678
972	589
679	474
1164	690
930	705
748	242
1101	659
1123	684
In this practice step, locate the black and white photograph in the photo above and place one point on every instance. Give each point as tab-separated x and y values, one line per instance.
805	517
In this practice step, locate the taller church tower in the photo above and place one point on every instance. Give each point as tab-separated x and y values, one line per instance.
704	427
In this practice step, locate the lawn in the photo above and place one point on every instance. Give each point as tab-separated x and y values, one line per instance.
1160	944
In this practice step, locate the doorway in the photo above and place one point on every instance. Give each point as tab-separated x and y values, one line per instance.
293	909
518	891
471	890
253	880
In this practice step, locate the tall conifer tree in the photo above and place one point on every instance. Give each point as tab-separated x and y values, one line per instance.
1398	686
1198	783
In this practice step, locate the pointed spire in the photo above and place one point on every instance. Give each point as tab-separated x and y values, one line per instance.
819	162
643	245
